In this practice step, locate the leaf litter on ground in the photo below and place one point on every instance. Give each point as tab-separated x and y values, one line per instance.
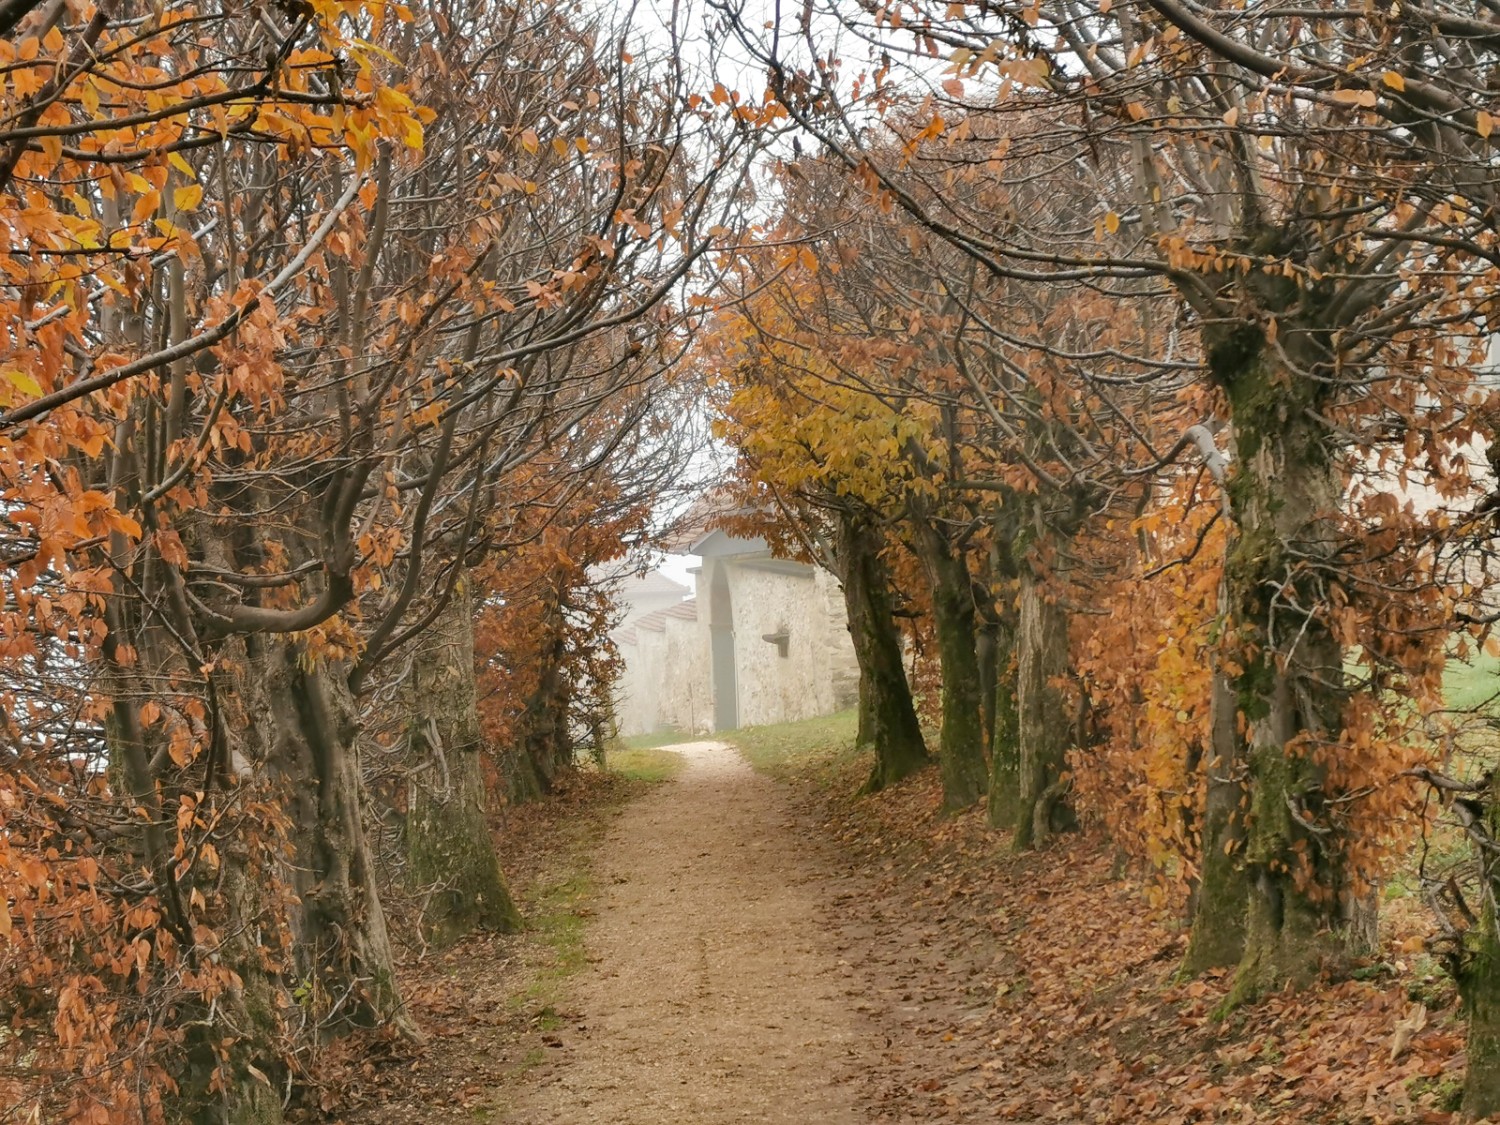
1043	987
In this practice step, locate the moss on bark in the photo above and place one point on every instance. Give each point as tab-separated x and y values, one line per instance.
887	717
1284	490
1004	801
450	854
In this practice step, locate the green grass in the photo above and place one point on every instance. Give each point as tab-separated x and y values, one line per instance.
558	917
658	739
644	764
1470	690
781	749
1472	683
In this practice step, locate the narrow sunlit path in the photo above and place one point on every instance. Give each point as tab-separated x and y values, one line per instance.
713	994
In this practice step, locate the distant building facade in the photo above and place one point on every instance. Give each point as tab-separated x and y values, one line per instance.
763	640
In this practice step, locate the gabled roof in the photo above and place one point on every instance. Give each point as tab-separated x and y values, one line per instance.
693	525
649	584
657	622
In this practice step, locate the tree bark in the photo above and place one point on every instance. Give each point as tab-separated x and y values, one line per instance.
1042	727
961	750
294	724
543	744
1475	965
887	717
1222	892
1284	488
450	855
232	1052
987	658
1004	805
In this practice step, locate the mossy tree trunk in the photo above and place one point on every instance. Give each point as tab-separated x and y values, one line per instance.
961	753
1042	728
295	726
450	855
1476	969
543	746
887	717
1004	803
1285	489
1222	892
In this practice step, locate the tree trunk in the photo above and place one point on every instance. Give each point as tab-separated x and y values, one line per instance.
1479	984
887	718
1475	965
1004	806
987	659
450	855
961	751
294	721
248	1083
543	744
1222	892
231	1058
1042	728
1284	487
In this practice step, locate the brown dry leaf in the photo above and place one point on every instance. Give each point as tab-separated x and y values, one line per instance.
1407	1029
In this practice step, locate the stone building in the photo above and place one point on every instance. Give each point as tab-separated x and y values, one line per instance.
763	640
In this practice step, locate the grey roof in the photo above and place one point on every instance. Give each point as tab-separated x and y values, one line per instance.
657	621
653	582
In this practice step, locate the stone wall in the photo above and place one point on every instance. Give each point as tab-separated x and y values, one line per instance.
669	677
665	684
815	675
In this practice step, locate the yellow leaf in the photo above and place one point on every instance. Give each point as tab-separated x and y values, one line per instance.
1484	123
1394	80
187	198
1111	222
22	381
4	919
581	144
412	133
530	141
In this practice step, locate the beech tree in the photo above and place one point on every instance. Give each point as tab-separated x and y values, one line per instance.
277	329
818	486
1273	169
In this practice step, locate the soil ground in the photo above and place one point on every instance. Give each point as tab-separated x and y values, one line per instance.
700	951
723	948
716	993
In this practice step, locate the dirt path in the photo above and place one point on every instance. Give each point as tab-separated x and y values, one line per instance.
714	995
